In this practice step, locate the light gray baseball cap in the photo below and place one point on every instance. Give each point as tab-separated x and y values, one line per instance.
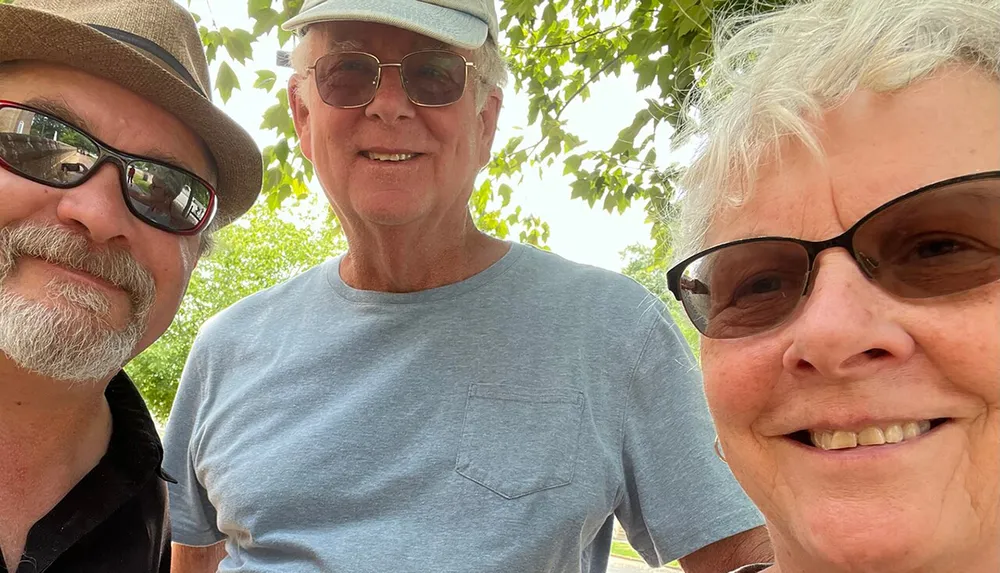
460	23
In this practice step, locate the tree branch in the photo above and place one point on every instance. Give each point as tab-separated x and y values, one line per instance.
574	42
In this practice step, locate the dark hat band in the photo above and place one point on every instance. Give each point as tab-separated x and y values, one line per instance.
150	47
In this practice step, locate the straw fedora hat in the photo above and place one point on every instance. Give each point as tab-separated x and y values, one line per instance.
151	47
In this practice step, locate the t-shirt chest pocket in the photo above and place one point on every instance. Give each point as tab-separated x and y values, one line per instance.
518	440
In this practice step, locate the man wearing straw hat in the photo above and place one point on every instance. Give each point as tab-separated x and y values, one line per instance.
437	400
114	167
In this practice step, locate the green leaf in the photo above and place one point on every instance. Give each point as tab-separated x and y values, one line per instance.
226	81
581	189
266	21
281	151
256	6
271	180
238	44
265	80
572	164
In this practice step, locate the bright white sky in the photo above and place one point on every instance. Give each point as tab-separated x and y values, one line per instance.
578	232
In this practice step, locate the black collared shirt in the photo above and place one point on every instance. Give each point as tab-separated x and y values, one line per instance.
115	519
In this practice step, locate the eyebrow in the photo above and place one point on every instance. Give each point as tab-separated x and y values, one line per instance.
62	111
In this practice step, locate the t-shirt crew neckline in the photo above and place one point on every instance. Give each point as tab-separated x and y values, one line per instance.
454	290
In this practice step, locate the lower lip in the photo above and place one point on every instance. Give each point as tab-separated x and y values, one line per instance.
80	276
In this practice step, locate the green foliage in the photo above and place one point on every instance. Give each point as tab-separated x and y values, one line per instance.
259	251
645	268
561	48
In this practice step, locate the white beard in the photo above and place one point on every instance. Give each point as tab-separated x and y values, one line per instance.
69	336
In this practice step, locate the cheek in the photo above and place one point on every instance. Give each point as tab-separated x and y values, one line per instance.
739	379
171	271
963	343
21	199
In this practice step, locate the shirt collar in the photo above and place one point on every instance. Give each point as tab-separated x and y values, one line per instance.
135	446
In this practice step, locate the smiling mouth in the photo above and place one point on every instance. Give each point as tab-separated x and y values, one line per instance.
389	157
867	437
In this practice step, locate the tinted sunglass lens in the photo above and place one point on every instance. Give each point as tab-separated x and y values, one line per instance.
167	196
347	79
434	78
744	289
44	148
938	242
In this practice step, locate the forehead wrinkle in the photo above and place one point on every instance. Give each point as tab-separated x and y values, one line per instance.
343	46
333	44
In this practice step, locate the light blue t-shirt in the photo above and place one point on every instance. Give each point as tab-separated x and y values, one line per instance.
492	425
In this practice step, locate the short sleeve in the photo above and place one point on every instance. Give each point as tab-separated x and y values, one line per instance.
192	515
678	496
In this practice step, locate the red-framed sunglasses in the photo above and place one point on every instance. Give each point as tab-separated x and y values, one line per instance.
48	150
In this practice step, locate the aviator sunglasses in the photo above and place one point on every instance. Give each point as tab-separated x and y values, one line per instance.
938	240
431	78
50	151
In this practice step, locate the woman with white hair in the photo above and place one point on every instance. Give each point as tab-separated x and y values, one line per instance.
844	215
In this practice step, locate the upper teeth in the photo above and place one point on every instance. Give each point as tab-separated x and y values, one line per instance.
870	436
390	156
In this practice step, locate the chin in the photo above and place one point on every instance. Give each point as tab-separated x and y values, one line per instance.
878	537
393	214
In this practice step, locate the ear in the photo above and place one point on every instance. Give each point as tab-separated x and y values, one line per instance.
298	101
488	118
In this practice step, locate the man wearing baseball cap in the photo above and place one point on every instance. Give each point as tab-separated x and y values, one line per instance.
114	167
437	400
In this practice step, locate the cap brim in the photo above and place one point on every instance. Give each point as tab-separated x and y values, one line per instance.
450	26
34	35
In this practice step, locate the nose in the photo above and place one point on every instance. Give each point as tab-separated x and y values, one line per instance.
846	328
96	208
390	104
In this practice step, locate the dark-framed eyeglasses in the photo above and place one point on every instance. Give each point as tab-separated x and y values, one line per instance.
48	150
941	239
431	78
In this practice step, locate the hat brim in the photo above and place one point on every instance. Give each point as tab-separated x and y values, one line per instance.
29	34
450	26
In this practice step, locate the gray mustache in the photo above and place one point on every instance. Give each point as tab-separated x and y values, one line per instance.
63	247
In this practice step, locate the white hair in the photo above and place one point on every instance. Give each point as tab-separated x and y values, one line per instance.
491	68
774	72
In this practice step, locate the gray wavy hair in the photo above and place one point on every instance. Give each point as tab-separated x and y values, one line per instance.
490	64
773	72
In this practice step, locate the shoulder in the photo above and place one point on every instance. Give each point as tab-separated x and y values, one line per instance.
584	283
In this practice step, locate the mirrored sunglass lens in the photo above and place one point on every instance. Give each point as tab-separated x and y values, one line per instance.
45	148
434	77
938	242
167	196
346	79
745	288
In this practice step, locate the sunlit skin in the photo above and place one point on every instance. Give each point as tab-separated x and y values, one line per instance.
96	209
30	484
854	356
407	223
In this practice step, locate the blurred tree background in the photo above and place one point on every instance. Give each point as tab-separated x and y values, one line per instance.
557	50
